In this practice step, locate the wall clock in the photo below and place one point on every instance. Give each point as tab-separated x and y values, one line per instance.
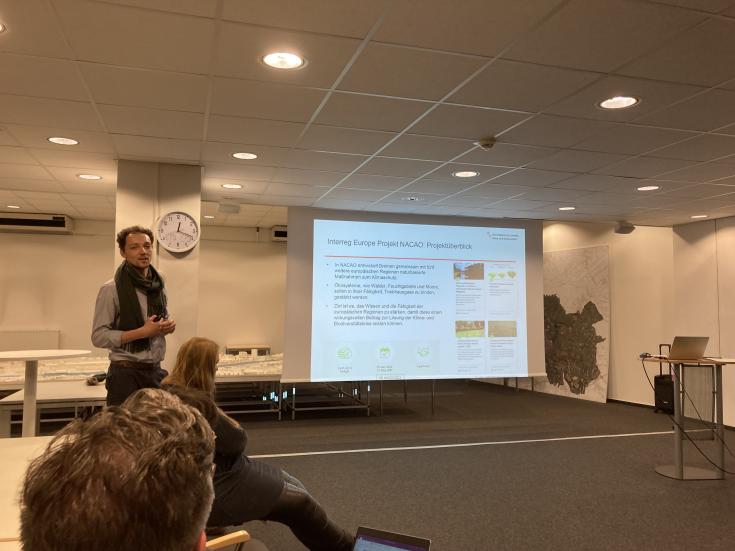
177	231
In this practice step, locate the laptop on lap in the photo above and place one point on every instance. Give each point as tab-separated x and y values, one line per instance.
370	539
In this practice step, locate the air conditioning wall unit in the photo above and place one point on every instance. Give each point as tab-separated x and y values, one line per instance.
35	223
279	233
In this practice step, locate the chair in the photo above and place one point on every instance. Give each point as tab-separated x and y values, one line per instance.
237	539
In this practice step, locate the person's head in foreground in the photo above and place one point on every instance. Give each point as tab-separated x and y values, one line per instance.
196	365
132	478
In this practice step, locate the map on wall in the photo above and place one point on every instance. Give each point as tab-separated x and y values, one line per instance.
576	323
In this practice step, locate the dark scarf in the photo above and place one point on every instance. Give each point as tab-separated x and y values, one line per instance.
127	280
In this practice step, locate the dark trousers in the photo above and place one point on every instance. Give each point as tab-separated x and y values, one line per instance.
121	381
307	519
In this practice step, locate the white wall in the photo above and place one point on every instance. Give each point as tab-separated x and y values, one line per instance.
641	291
704	291
51	281
242	293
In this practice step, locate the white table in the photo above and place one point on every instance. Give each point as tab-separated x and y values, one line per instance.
15	455
31	358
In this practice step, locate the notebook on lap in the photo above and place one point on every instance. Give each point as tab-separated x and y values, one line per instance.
370	539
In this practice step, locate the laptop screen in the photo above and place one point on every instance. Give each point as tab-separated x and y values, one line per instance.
369	539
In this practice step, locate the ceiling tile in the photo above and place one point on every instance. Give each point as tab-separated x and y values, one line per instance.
145	87
241	48
384	166
370	112
263	100
484	172
253	131
503	154
87	200
522	86
631	140
27	172
355	194
222	153
701	191
566	38
48	112
343	140
410	146
158	149
156	123
286	200
70	174
339	17
73	159
704	55
239	172
6	138
307	177
408	72
296	190
533	178
712	6
342	204
316	160
570	160
600	182
643	167
106	187
701	148
37	138
552	131
441	187
548	194
702	172
495	191
32	29
29	76
482	27
213	185
452	121
16	155
652	95
118	35
201	8
704	112
604	198
371	181
466	201
20	183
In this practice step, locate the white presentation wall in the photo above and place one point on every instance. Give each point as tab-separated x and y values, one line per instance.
375	296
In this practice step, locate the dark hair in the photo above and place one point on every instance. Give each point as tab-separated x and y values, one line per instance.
132	477
122	235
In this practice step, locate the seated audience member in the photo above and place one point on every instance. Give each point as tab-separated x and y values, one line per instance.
131	478
246	489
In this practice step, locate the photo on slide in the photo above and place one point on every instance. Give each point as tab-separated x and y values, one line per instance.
469	329
469	270
500	329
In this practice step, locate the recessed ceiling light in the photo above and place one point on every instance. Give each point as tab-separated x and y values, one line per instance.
284	60
2	28
89	177
648	188
619	102
13	207
465	174
695	216
567	208
412	198
245	156
63	141
232	186
208	216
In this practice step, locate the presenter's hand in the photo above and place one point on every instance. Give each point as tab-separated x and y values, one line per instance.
153	328
168	326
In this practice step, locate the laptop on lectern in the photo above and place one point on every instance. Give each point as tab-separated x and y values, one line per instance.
370	539
688	348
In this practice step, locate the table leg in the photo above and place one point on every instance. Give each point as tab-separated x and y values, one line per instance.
720	427
4	423
29	398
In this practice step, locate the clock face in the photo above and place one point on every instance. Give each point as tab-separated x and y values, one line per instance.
178	232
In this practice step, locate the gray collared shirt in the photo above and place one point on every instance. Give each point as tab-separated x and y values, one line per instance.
106	315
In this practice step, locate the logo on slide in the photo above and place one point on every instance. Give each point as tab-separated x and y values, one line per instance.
344	353
423	352
384	353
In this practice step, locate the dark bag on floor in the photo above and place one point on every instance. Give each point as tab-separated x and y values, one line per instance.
663	387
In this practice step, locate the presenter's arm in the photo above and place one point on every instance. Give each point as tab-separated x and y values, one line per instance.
105	312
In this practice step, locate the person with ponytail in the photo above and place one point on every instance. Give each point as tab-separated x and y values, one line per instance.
246	489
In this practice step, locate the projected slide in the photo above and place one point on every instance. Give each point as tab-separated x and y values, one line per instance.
409	301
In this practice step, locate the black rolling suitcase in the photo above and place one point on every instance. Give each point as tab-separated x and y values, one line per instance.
663	387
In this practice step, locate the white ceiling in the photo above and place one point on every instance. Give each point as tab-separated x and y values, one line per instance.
393	96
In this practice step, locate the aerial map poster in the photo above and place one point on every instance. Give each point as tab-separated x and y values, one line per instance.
576	323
